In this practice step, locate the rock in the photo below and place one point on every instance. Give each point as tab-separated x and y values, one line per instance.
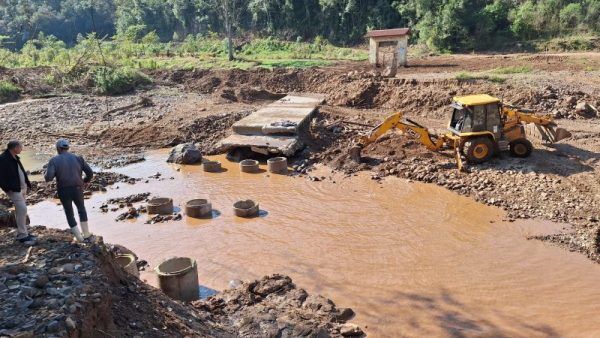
41	281
345	314
68	268
55	270
350	330
53	327
584	109
5	217
186	153
71	324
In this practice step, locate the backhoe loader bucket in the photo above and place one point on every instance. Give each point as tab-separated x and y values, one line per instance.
354	153
549	134
561	134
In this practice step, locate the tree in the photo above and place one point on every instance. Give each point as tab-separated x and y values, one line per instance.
231	11
570	16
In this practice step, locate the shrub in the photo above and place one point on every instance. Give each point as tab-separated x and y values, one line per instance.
8	91
115	81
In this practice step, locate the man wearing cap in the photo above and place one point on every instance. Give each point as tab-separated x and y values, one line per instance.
14	182
67	168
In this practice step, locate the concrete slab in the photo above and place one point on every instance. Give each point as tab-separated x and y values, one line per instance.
286	145
284	116
274	128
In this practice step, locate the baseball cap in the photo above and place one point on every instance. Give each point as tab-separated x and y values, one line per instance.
62	144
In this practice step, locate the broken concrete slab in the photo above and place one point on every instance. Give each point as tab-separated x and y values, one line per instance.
271	144
284	116
274	129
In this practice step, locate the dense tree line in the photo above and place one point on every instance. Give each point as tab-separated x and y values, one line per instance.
443	24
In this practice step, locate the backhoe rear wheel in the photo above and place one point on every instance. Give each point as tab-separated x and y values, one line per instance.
479	149
521	148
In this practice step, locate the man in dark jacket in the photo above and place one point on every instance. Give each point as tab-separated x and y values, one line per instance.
14	182
67	168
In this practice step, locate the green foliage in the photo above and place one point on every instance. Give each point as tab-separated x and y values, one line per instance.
8	91
446	26
115	81
512	70
464	76
570	16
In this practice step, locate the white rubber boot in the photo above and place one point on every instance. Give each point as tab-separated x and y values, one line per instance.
85	230
77	234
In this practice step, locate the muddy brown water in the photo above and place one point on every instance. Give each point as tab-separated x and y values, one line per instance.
411	259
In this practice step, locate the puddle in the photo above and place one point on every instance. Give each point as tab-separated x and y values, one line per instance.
34	160
411	259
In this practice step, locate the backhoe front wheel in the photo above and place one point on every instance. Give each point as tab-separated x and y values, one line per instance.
479	149
521	148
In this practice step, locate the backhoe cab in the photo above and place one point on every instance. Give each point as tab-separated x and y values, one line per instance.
480	127
486	127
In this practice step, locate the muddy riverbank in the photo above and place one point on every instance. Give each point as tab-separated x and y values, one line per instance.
413	249
58	288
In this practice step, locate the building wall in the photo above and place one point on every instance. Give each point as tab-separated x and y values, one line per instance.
402	48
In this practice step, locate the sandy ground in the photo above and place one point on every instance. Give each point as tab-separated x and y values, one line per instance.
559	183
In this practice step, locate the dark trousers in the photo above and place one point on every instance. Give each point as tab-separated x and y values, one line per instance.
68	196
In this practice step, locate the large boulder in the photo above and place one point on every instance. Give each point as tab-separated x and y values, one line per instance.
185	153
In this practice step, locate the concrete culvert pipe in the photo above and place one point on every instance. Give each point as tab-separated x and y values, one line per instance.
129	263
277	165
178	278
247	208
249	166
211	166
198	208
161	206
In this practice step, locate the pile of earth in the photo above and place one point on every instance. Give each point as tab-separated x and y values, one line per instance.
363	89
60	288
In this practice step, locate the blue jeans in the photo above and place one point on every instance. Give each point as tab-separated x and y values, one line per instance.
68	196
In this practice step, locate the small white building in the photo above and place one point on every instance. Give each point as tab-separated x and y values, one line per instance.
385	45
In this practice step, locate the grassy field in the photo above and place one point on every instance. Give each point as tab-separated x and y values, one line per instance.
195	52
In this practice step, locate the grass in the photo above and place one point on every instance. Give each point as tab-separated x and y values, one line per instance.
9	91
293	63
512	70
464	76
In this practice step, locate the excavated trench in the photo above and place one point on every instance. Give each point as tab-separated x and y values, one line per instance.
411	259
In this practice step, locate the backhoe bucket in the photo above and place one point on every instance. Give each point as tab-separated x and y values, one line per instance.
354	153
561	134
550	134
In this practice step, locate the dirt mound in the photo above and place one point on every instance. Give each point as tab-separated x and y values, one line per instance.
206	132
364	89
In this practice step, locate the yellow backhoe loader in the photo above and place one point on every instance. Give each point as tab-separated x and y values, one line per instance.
480	127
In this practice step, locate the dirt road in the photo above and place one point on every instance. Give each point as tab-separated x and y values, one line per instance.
558	183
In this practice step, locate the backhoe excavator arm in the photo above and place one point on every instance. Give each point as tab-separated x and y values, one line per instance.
431	141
